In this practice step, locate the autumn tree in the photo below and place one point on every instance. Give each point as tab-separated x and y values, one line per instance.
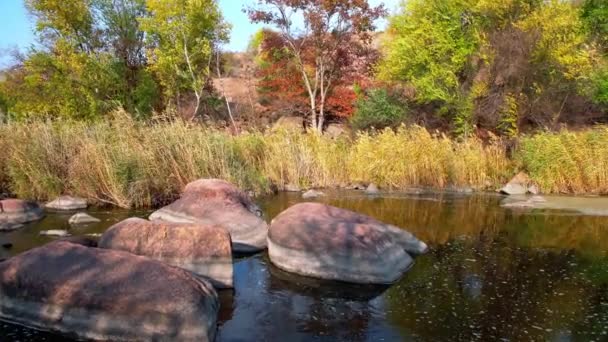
334	33
182	37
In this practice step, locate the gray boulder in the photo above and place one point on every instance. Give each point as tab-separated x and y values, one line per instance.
520	185
67	203
216	202
14	213
82	218
322	241
312	194
106	295
202	250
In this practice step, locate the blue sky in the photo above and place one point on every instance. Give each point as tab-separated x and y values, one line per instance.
16	28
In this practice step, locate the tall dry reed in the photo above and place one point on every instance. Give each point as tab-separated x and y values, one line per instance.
134	164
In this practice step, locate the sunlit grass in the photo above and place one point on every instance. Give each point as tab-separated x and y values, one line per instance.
133	164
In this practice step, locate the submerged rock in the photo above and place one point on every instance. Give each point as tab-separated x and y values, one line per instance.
218	203
318	240
67	203
312	194
55	232
372	189
15	212
83	218
106	295
203	250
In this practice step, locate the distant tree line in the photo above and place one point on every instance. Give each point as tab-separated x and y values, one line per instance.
462	66
458	65
96	55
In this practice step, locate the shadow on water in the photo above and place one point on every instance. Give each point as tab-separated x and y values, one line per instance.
492	274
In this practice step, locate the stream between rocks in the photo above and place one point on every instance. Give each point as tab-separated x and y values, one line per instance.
493	274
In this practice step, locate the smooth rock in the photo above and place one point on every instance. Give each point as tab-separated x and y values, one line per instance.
218	203
55	232
372	189
518	185
67	203
83	218
292	188
312	194
106	295
322	241
15	212
200	249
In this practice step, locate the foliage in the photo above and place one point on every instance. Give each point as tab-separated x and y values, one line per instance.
183	35
429	45
595	15
378	109
336	34
504	66
93	57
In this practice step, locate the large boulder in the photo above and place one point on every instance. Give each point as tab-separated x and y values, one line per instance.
203	250
106	295
520	185
322	241
67	203
216	202
14	212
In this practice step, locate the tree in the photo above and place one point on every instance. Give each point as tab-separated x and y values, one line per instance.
498	65
182	37
335	33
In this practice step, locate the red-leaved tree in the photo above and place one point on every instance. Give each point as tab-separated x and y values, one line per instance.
332	46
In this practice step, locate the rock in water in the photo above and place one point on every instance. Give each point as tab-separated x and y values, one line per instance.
203	250
14	212
216	202
517	186
372	189
106	295
67	203
55	232
83	218
292	188
312	194
318	240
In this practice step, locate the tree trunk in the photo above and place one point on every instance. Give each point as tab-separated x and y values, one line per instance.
321	119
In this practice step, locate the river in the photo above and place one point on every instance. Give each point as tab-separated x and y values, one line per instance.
493	274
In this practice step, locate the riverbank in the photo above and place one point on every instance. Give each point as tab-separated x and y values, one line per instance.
132	164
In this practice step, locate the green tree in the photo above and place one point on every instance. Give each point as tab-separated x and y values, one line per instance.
182	38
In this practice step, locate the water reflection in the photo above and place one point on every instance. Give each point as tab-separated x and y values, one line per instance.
492	274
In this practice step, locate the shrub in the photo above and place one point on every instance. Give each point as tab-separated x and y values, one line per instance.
378	109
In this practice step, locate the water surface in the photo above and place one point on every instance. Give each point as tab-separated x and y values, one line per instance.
493	274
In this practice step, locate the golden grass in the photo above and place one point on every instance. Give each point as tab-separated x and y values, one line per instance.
568	162
133	164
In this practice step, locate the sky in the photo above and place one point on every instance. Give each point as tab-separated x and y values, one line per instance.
17	28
